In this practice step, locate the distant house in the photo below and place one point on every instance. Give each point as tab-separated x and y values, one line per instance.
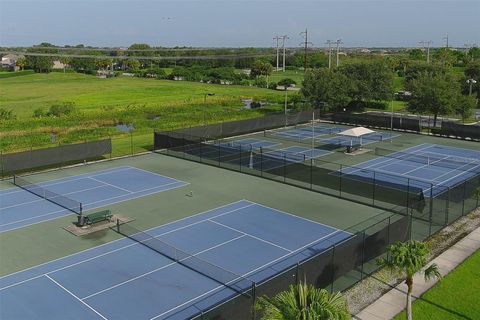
58	65
103	74
9	62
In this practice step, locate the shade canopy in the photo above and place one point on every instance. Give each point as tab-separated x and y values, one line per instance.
356	132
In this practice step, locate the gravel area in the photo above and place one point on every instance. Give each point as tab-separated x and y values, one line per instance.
367	291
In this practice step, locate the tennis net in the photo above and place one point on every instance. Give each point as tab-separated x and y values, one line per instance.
237	283
48	195
457	163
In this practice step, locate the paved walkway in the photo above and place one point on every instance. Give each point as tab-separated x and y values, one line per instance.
392	302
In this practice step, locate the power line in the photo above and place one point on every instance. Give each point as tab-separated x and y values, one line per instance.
277	38
284	38
330	42
306	43
338	42
196	57
426	45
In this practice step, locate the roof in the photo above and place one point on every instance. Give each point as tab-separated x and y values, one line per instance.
356	132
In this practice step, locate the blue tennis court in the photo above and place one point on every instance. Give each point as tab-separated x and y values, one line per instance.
307	132
421	166
364	140
278	158
127	280
20	208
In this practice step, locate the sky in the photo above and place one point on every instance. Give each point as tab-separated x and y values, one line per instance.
233	23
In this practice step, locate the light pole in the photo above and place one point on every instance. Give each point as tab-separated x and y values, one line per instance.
471	82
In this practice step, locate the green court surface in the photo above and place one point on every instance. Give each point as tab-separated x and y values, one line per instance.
208	188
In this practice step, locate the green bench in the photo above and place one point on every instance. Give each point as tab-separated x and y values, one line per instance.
98	216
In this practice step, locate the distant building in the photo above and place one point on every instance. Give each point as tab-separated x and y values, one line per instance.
9	62
103	74
58	65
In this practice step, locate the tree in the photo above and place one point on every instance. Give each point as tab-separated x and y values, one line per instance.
433	94
132	64
326	89
408	259
464	106
369	80
261	68
415	54
303	302
21	62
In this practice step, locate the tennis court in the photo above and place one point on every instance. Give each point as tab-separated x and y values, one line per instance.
307	132
278	158
363	140
426	164
126	279
20	208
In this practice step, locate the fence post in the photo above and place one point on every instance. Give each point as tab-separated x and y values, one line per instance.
431	210
312	161
333	267
373	186
363	255
340	182
464	197
254	296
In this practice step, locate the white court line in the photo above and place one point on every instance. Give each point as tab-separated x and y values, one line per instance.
136	196
391	160
299	217
115	250
73	178
250	235
111	185
109	243
85	304
163	267
246	274
156	174
43	199
250	272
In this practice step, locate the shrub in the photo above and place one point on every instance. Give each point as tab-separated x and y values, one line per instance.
38	113
7	114
58	110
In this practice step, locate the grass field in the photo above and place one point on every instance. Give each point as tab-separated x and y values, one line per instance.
26	93
454	297
103	103
296	75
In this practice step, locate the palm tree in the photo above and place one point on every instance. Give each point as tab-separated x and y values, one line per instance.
407	259
303	302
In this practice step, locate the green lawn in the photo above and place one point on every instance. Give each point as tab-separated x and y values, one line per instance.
296	75
25	94
454	297
100	104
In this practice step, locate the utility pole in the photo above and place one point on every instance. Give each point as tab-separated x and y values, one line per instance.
277	38
426	45
446	40
338	42
306	43
329	42
284	38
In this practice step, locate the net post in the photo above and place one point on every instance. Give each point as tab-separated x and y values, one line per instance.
118	225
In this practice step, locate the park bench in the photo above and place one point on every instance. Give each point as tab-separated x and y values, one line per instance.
98	216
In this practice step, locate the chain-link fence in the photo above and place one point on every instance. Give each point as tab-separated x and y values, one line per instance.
335	266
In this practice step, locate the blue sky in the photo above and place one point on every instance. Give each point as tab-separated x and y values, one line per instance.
230	23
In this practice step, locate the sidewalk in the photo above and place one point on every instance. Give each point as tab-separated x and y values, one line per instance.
392	302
